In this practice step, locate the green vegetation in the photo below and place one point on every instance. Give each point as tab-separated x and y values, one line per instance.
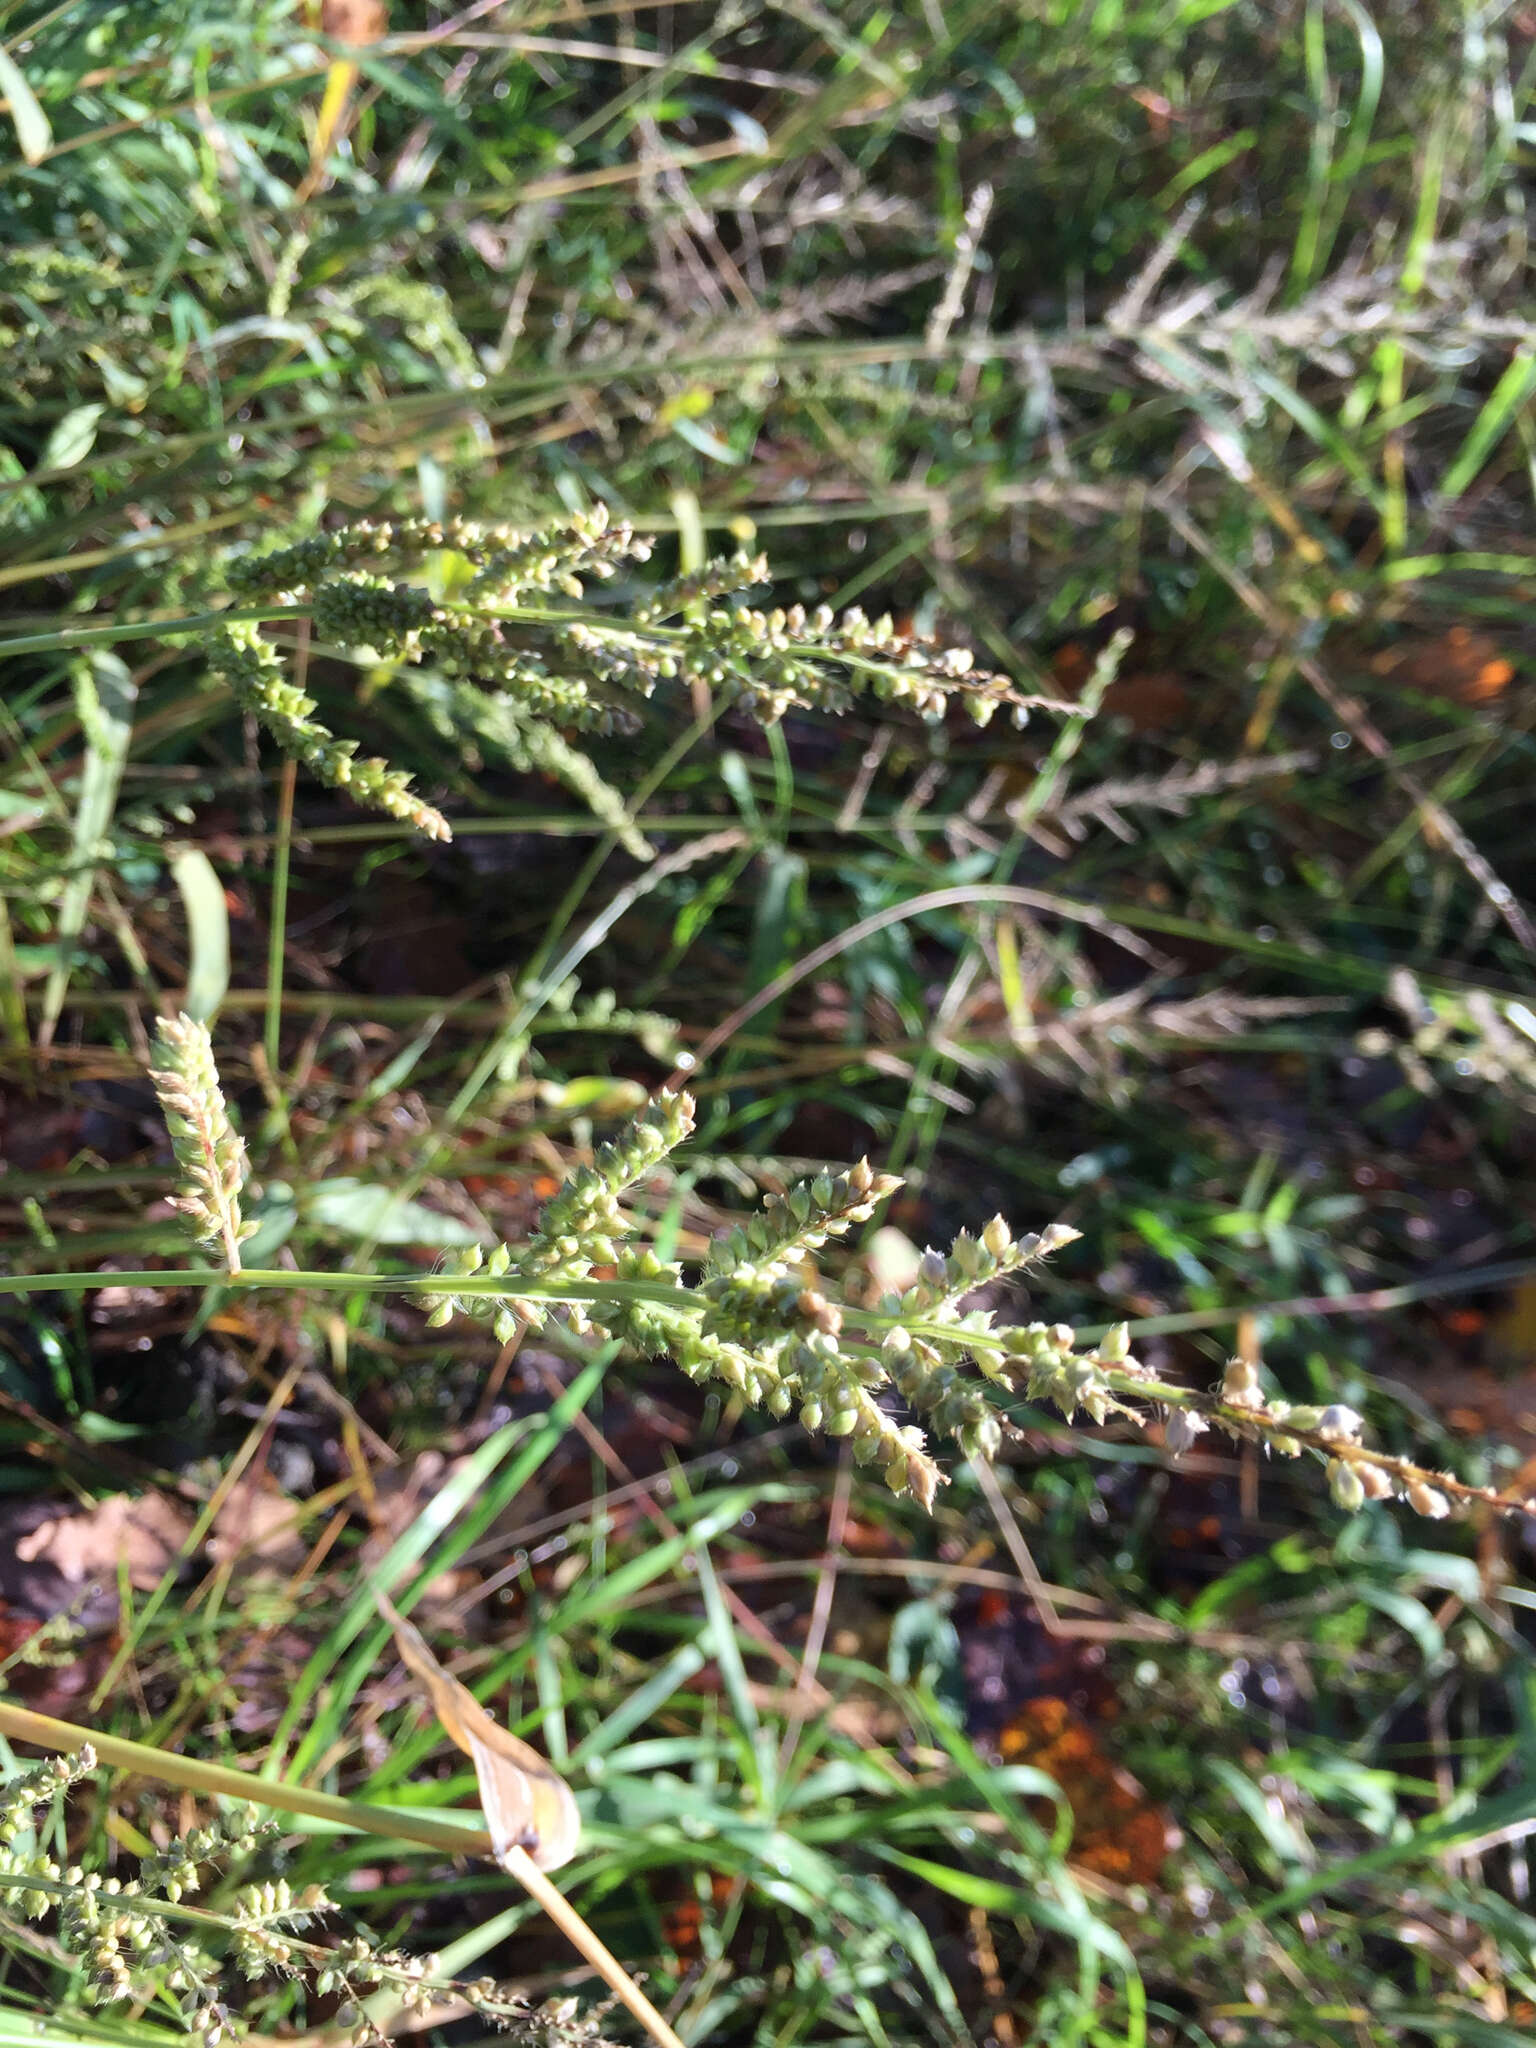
397	402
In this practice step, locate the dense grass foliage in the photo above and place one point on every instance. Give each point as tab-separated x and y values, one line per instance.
1174	360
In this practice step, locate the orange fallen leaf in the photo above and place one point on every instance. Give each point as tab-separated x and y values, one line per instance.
527	1804
1117	1832
1462	663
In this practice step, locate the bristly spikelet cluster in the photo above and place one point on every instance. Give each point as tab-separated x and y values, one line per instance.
759	1318
762	1318
204	1142
1041	1359
577	1230
516	654
139	1941
254	672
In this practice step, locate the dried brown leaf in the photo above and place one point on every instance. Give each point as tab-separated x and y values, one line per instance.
527	1804
144	1536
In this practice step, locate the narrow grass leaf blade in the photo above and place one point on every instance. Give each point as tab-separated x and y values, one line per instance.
992	1895
105	693
721	1638
33	134
1499	408
1435	1838
644	1701
202	896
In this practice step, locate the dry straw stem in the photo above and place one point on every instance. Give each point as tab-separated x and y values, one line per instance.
207	1149
20	1724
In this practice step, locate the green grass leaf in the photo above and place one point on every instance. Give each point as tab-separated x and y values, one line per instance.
105	695
33	134
374	1214
202	896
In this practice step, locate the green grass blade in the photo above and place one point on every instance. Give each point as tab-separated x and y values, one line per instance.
202	896
105	694
1505	400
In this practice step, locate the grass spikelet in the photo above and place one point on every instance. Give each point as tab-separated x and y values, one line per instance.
208	1150
254	674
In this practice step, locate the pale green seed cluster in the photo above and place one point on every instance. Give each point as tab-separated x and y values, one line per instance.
369	611
175	1872
762	1320
1042	1359
125	1931
423	312
759	1317
926	1349
509	562
566	1009
513	656
205	1144
1288	1428
579	1226
139	1942
254	673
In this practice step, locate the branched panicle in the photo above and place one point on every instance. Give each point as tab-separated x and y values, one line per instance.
759	1318
138	1941
509	562
579	1227
253	670
526	666
763	1320
206	1147
777	661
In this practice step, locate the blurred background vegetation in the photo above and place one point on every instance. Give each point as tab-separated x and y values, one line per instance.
1029	324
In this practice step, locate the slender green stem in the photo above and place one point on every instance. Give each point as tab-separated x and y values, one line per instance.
1373	1300
142	629
342	1283
278	917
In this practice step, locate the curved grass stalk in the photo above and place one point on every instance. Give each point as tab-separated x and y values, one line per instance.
218	1781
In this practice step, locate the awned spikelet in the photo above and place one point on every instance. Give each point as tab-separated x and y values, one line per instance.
207	1148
